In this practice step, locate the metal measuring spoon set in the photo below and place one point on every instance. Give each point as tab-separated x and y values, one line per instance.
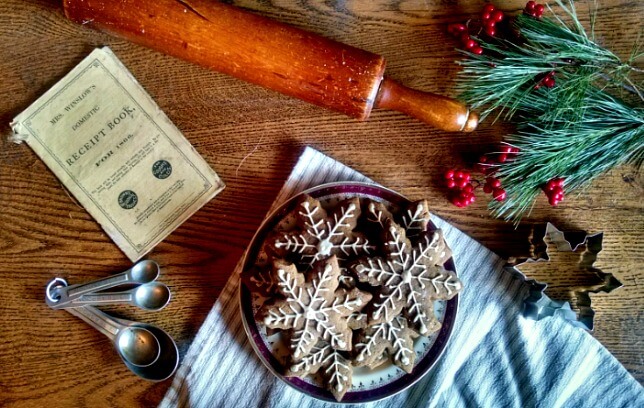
146	350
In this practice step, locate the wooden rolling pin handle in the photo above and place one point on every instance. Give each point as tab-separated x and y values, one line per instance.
438	111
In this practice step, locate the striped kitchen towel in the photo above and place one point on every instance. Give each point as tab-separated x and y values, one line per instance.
495	357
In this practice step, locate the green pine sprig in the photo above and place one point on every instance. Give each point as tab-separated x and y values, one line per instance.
577	130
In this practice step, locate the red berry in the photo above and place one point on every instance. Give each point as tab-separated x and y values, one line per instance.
538	10
456	28
537	86
468	188
530	5
489	8
470	44
502	158
466	198
461	183
477	50
498	16
465	37
483	159
549	82
494	182
487	188
560	182
499	194
451	183
458	175
490	31
507	149
486	16
551	185
467	176
489	24
457	202
449	174
552	201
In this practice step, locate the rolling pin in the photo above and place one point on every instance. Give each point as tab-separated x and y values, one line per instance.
274	55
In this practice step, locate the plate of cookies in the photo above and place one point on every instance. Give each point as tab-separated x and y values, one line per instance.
349	293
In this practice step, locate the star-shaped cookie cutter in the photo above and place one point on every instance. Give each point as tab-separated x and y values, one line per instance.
538	305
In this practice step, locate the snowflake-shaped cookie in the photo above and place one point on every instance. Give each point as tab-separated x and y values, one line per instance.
408	278
321	235
314	309
394	337
414	218
337	370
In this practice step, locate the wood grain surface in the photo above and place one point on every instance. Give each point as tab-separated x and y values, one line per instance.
252	137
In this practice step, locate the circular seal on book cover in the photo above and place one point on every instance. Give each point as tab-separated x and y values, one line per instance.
128	199
161	169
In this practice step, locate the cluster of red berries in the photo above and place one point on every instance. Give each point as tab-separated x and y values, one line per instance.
490	17
464	186
554	191
487	163
548	81
460	182
460	31
493	186
533	9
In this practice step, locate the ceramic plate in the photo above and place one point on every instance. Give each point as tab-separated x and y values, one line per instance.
368	384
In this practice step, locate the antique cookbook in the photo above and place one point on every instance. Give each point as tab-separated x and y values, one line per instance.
120	156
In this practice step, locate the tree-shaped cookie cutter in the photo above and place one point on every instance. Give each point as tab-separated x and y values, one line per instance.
538	305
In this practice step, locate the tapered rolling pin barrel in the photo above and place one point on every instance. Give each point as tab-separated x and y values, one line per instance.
268	53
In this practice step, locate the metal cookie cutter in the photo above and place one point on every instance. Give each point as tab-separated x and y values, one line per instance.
538	305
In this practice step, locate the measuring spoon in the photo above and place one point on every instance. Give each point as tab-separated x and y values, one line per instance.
151	296
168	360
134	342
59	294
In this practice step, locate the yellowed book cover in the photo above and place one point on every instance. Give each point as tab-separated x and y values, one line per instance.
120	156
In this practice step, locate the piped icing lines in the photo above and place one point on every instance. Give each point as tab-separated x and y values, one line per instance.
315	309
337	369
414	218
261	279
408	278
393	336
321	235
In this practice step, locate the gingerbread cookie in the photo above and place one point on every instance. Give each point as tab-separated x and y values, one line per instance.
414	218
320	235
315	309
260	279
408	279
394	337
337	370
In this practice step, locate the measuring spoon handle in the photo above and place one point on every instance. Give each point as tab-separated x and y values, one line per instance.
62	296
115	280
98	320
103	298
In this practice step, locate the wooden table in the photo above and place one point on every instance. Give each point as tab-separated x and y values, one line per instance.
252	137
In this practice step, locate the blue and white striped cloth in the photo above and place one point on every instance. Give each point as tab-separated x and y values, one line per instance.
495	357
